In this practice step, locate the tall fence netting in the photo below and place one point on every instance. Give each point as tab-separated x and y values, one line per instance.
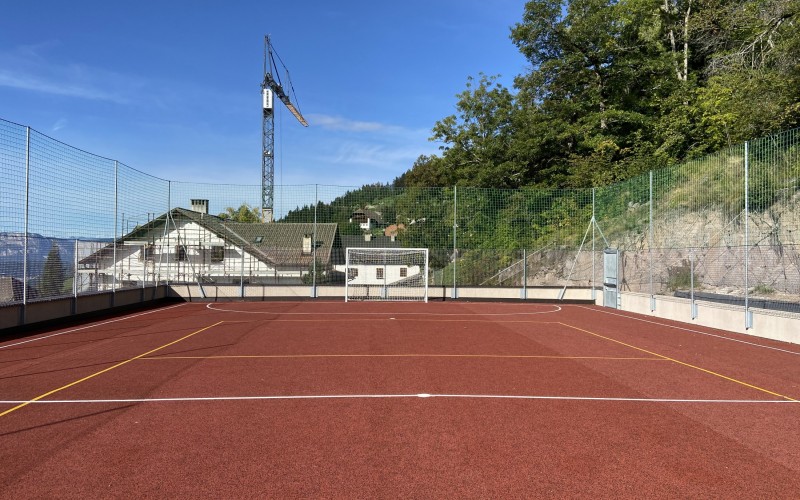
725	227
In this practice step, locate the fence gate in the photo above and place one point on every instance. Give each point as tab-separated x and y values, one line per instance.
610	268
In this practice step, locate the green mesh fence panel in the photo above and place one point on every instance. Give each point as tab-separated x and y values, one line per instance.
693	229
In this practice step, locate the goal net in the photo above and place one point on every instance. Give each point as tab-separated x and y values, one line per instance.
393	274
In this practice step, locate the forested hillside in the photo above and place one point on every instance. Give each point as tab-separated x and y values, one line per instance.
614	90
617	88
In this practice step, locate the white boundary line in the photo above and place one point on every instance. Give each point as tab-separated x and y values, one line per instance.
209	306
398	396
693	331
88	326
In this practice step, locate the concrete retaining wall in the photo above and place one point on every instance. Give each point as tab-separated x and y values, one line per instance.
767	324
40	311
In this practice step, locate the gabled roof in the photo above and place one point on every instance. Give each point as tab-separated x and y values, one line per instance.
358	241
276	243
362	215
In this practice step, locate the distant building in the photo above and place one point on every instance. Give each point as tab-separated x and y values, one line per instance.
11	290
187	246
367	219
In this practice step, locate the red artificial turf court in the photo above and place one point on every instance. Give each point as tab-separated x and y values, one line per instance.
445	399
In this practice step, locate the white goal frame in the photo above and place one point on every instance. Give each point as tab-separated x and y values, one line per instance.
386	274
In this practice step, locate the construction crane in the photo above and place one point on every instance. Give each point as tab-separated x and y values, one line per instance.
270	87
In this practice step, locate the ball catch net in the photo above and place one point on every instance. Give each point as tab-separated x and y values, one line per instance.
388	274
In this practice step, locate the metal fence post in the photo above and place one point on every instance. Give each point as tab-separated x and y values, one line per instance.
650	245
25	276
314	245
594	272
75	272
691	281
748	317
241	276
454	291
524	274
166	226
116	214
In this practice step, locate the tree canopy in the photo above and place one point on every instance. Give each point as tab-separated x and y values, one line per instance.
245	213
619	87
52	281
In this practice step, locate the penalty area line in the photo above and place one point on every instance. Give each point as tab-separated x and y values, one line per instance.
406	396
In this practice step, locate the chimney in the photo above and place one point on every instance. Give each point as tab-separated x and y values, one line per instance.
200	206
367	237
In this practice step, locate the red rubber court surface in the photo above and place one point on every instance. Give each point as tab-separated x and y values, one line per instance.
446	399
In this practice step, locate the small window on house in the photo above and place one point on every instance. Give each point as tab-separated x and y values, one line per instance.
352	274
217	254
147	253
379	273
180	252
403	272
258	239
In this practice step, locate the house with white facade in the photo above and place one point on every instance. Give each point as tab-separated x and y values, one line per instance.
367	219
193	246
381	272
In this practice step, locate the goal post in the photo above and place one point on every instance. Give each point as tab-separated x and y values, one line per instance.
386	274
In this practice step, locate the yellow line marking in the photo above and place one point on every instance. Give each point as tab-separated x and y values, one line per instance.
683	363
290	356
37	398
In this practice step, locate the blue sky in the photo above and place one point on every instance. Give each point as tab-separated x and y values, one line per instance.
172	88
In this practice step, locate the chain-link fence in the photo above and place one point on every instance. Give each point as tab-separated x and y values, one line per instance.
721	228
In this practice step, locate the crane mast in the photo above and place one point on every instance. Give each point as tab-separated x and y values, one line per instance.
272	86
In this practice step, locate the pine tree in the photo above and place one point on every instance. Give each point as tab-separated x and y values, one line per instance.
53	274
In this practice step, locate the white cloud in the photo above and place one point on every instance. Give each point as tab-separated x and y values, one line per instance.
59	124
340	124
374	155
26	68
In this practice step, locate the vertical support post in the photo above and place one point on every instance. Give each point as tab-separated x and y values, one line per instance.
650	246
314	245
116	208
75	279
166	224
594	288
524	274
241	276
691	281
454	291
748	316
346	274
25	277
75	272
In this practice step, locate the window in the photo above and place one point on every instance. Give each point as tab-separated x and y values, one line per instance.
180	252
147	253
379	273
259	239
352	274
217	254
403	272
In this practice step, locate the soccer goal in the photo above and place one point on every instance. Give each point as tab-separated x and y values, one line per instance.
390	274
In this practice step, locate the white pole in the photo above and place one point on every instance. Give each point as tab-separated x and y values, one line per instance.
594	290
314	247
27	205
748	318
652	290
454	293
346	273
116	208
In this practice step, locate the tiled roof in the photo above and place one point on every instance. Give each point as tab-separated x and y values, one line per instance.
277	243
